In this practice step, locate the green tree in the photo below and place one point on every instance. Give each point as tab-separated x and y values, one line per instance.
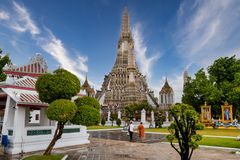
88	111
86	115
220	86
143	105
195	90
225	76
129	112
62	111
159	117
59	85
183	129
119	122
103	121
3	61
113	117
53	87
90	101
132	108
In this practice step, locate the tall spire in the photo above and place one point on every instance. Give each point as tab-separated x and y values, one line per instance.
125	23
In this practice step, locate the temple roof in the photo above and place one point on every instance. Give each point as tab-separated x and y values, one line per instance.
22	91
87	87
85	84
25	83
36	67
166	88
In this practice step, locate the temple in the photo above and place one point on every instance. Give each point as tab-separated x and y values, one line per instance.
166	96
125	84
22	114
36	67
86	89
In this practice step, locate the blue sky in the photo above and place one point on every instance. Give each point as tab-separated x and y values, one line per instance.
82	35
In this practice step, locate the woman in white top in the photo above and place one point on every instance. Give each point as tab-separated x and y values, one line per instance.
130	130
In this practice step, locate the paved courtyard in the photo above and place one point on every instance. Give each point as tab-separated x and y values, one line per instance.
114	145
102	149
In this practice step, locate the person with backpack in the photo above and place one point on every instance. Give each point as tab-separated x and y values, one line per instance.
130	130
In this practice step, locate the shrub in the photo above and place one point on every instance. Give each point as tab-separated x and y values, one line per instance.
159	117
86	115
183	129
59	85
61	110
119	122
103	121
89	101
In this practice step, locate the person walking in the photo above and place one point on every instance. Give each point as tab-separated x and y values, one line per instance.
141	131
130	130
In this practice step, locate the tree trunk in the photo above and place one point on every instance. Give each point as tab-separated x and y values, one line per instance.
185	152
57	136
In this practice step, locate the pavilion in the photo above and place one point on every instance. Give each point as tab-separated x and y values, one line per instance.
22	114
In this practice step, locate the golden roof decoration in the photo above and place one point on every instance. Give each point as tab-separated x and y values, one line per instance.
166	88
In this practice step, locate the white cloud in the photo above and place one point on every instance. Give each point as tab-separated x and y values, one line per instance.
55	47
81	63
207	30
145	62
23	21
176	83
4	15
45	39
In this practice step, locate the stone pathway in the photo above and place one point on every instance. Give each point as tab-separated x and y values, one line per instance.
102	149
115	145
122	136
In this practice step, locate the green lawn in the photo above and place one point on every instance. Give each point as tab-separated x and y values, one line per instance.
206	131
101	127
220	142
220	132
164	130
41	157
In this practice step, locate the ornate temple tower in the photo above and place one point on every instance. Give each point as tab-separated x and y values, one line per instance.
124	85
86	89
166	96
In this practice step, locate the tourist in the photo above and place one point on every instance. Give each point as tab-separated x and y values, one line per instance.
141	131
130	130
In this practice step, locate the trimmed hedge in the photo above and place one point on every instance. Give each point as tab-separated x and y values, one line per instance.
86	115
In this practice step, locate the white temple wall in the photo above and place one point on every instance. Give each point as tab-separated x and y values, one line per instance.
19	124
8	115
37	138
44	121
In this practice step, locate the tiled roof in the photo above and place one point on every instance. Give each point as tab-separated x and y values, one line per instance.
26	82
166	88
36	67
32	99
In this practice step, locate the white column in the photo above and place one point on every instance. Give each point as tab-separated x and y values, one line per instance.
19	124
6	117
27	113
167	99
152	117
119	114
143	116
166	116
159	99
108	118
163	98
